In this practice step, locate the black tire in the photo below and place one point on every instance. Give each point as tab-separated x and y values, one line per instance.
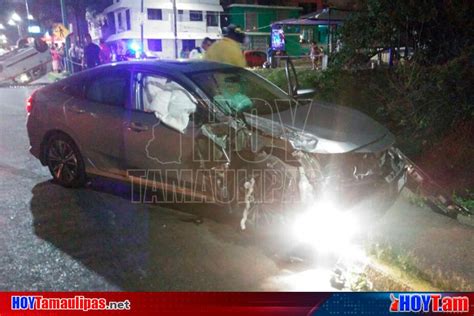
64	161
40	45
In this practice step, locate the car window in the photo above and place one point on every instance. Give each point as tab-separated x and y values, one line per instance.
74	87
239	90
109	88
168	100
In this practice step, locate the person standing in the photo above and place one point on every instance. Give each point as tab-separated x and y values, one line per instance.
62	55
91	53
56	58
228	49
199	52
105	53
75	55
314	55
121	50
270	54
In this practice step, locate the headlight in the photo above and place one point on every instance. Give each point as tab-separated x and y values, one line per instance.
301	140
325	227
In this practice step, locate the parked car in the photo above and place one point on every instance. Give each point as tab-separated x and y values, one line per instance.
255	58
25	63
214	133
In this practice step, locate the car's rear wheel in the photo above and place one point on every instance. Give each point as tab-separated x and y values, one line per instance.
65	161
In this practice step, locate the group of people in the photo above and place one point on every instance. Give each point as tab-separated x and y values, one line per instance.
227	50
89	56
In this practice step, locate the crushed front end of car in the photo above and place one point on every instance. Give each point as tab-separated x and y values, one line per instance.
270	174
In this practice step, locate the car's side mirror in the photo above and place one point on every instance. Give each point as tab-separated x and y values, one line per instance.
305	93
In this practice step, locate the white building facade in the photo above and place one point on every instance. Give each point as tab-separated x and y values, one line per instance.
196	19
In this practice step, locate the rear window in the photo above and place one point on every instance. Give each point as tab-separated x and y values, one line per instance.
74	87
109	88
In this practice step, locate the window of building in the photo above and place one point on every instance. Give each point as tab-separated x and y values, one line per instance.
127	18
154	45
180	15
110	88
119	20
251	21
195	15
111	22
212	18
189	45
155	14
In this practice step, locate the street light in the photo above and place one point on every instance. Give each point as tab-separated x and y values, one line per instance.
15	20
15	17
30	17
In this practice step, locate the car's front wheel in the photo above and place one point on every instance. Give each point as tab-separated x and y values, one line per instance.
65	161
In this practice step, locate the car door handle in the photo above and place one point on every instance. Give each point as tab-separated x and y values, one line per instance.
76	109
137	127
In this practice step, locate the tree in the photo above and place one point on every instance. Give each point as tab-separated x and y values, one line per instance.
49	11
435	30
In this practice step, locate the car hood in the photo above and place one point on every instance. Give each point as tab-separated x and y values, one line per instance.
338	129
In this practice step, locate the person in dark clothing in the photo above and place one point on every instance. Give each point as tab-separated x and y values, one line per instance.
91	53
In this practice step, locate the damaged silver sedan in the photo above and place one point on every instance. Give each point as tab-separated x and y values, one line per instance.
214	133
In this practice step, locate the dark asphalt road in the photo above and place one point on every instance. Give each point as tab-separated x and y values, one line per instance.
94	238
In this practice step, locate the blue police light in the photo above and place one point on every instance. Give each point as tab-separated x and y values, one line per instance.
134	46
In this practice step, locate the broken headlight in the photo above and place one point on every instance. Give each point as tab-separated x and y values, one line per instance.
301	140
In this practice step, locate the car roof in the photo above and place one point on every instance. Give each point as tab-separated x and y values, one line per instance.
170	66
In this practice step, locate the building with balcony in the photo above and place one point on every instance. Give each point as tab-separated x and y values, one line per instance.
195	20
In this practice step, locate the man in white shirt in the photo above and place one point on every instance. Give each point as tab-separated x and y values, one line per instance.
198	52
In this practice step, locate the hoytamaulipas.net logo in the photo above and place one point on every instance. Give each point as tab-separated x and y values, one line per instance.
426	302
76	303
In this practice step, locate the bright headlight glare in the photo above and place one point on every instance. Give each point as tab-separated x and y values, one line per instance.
325	227
24	78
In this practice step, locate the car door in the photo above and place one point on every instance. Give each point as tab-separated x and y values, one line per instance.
161	128
103	108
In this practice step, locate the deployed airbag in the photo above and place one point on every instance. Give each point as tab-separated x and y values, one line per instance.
169	101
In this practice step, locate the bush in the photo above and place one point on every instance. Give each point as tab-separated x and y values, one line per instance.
429	108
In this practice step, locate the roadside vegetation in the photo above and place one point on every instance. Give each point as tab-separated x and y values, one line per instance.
424	97
405	268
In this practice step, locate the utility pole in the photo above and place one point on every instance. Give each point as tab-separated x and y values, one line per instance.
329	31
27	17
175	30
68	44
141	29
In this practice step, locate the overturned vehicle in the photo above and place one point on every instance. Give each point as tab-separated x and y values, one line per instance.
215	133
28	62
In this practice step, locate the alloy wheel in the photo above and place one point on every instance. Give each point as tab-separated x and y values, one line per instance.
62	161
